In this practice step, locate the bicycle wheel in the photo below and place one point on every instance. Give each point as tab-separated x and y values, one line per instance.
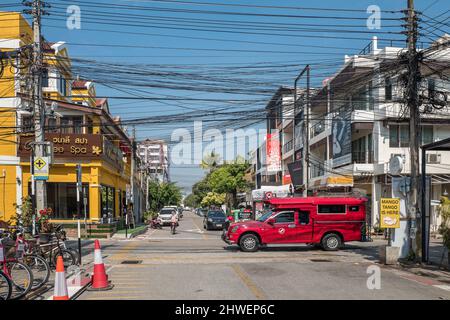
5	287
40	269
21	278
68	258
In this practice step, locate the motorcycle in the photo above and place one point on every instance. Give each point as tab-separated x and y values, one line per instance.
155	224
173	226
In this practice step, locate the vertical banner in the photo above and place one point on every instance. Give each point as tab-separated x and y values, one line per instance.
342	138
273	153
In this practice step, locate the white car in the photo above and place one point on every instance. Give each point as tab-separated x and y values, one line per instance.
165	215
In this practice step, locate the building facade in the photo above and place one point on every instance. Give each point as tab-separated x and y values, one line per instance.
359	122
79	128
154	155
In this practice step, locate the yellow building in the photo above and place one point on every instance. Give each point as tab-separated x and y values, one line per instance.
82	131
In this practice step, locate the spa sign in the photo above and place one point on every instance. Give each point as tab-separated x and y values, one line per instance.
68	145
390	213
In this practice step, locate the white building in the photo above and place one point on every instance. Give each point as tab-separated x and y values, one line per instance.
154	156
359	121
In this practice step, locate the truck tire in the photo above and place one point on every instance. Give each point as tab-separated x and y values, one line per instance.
249	243
331	242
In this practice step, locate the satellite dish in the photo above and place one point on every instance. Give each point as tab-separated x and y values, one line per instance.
396	165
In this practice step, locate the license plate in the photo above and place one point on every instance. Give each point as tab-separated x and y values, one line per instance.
218	225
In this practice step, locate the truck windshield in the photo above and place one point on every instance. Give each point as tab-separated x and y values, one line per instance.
265	216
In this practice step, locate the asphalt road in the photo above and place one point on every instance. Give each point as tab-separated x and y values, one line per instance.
196	264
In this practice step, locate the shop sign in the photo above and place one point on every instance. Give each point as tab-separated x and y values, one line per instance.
390	213
273	153
67	145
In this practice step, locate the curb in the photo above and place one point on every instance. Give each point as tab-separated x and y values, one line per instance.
130	235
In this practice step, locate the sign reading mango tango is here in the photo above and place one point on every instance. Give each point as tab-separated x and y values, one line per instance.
390	213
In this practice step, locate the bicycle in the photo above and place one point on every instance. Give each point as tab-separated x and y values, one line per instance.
18	273
52	249
5	287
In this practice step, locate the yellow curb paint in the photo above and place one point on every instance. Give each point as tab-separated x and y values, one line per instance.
257	292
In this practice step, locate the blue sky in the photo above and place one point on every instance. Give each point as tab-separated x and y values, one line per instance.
231	49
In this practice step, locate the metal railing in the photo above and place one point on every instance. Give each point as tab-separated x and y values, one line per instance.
288	146
362	157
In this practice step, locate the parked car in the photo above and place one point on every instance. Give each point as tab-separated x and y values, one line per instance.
328	222
165	215
215	219
201	212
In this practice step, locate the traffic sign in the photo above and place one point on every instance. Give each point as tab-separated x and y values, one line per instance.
41	168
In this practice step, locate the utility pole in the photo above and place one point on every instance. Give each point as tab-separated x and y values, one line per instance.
305	138
414	214
38	102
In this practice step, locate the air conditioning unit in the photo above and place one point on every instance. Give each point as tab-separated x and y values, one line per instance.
433	158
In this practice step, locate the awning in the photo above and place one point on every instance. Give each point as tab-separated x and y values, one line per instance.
334	182
277	191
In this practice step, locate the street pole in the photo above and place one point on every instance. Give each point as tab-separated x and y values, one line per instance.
414	214
133	153
38	102
79	192
305	164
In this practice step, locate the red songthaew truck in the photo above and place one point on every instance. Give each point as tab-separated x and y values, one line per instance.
328	222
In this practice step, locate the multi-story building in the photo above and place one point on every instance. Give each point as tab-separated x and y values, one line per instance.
359	121
78	127
154	157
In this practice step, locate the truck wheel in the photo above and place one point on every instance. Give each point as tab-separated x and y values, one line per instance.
331	242
249	243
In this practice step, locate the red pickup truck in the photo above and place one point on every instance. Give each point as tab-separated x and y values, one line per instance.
328	222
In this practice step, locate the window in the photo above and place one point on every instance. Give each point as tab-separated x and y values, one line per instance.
72	124
303	217
108	201
427	135
331	209
388	89
62	198
51	125
62	86
285	217
399	136
45	78
362	99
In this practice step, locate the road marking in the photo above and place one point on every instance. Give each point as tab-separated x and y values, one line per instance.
258	292
203	234
443	287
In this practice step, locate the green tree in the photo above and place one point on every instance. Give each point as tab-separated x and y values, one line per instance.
210	161
229	179
163	194
213	199
190	201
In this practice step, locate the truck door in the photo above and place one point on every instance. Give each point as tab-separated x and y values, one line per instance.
304	227
284	228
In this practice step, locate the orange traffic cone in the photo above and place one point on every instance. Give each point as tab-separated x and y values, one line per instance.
60	292
99	278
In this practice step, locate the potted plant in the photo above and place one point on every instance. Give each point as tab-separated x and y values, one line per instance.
45	227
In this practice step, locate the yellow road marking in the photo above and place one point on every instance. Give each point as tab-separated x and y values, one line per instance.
124	251
259	294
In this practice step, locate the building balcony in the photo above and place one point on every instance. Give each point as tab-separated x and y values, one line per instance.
288	146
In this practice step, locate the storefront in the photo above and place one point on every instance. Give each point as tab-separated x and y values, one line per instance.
105	176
